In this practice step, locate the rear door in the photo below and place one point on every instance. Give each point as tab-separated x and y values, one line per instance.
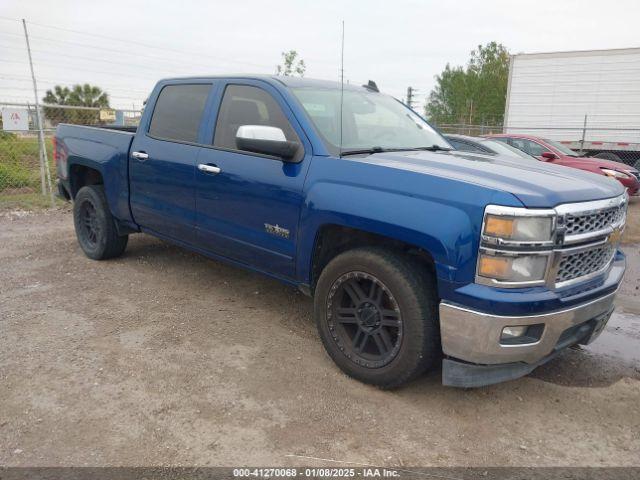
249	210
162	162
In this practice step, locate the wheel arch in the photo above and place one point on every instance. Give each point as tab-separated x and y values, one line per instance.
332	239
81	175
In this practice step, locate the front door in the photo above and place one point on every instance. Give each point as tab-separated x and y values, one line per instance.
248	205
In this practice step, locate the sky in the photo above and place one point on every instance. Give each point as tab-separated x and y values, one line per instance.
126	46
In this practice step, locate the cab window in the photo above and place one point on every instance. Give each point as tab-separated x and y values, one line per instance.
178	112
246	105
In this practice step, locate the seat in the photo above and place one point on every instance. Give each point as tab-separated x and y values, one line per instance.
240	112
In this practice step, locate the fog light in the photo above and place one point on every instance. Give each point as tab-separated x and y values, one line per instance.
513	332
521	334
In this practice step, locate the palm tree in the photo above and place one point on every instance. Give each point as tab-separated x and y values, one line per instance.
79	95
88	96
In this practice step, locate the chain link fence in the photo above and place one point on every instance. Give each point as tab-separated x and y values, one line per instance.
616	139
23	157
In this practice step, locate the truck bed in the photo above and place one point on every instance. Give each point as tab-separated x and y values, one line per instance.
104	148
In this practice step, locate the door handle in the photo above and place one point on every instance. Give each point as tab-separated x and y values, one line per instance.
140	155
209	168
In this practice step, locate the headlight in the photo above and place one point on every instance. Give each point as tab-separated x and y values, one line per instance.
510	237
520	268
614	173
518	228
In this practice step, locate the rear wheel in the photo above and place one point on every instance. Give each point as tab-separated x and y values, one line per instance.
95	227
376	313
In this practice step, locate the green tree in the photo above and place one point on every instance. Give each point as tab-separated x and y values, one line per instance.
290	66
78	95
473	94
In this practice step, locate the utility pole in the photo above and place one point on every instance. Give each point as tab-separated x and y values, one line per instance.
341	84
410	93
44	161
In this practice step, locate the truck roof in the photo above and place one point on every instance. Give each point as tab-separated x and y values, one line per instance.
292	82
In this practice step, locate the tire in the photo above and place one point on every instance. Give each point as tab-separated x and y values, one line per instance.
412	343
95	227
608	156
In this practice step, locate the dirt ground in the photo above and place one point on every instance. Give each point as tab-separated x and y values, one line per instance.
163	357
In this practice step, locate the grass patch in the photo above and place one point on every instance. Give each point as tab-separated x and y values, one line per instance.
27	201
20	162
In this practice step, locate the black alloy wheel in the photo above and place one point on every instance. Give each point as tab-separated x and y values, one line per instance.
89	223
364	319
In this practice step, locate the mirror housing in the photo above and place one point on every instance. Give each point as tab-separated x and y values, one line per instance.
266	140
549	156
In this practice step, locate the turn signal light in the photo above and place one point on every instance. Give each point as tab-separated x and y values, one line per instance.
494	267
499	226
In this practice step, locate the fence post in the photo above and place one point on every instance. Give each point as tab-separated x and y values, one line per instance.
45	173
43	185
584	134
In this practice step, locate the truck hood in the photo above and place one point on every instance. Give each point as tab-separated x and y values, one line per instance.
536	184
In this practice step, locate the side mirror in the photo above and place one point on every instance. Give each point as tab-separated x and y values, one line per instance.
266	140
549	156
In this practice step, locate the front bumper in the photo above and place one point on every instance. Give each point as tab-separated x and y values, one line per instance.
476	356
475	336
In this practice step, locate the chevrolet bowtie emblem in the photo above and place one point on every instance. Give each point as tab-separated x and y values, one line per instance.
615	236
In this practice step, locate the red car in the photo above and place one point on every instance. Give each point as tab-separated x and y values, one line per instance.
554	152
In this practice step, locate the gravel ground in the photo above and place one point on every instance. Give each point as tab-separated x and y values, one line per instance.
163	357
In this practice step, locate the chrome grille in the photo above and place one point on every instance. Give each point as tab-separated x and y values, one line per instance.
584	263
588	222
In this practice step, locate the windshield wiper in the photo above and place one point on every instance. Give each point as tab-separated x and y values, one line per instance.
367	150
433	148
372	150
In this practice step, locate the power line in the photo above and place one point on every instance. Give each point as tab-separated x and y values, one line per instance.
58	65
25	89
147	45
131	42
105	87
47	52
112	50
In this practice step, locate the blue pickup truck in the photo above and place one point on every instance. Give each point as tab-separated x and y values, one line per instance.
417	256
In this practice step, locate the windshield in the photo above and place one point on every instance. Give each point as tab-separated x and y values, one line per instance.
505	149
560	147
371	120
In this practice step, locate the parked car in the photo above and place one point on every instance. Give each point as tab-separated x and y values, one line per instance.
555	152
485	146
555	95
410	250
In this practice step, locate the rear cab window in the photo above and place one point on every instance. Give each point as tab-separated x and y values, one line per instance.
178	112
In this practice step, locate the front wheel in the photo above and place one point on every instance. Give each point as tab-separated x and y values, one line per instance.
95	226
376	313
